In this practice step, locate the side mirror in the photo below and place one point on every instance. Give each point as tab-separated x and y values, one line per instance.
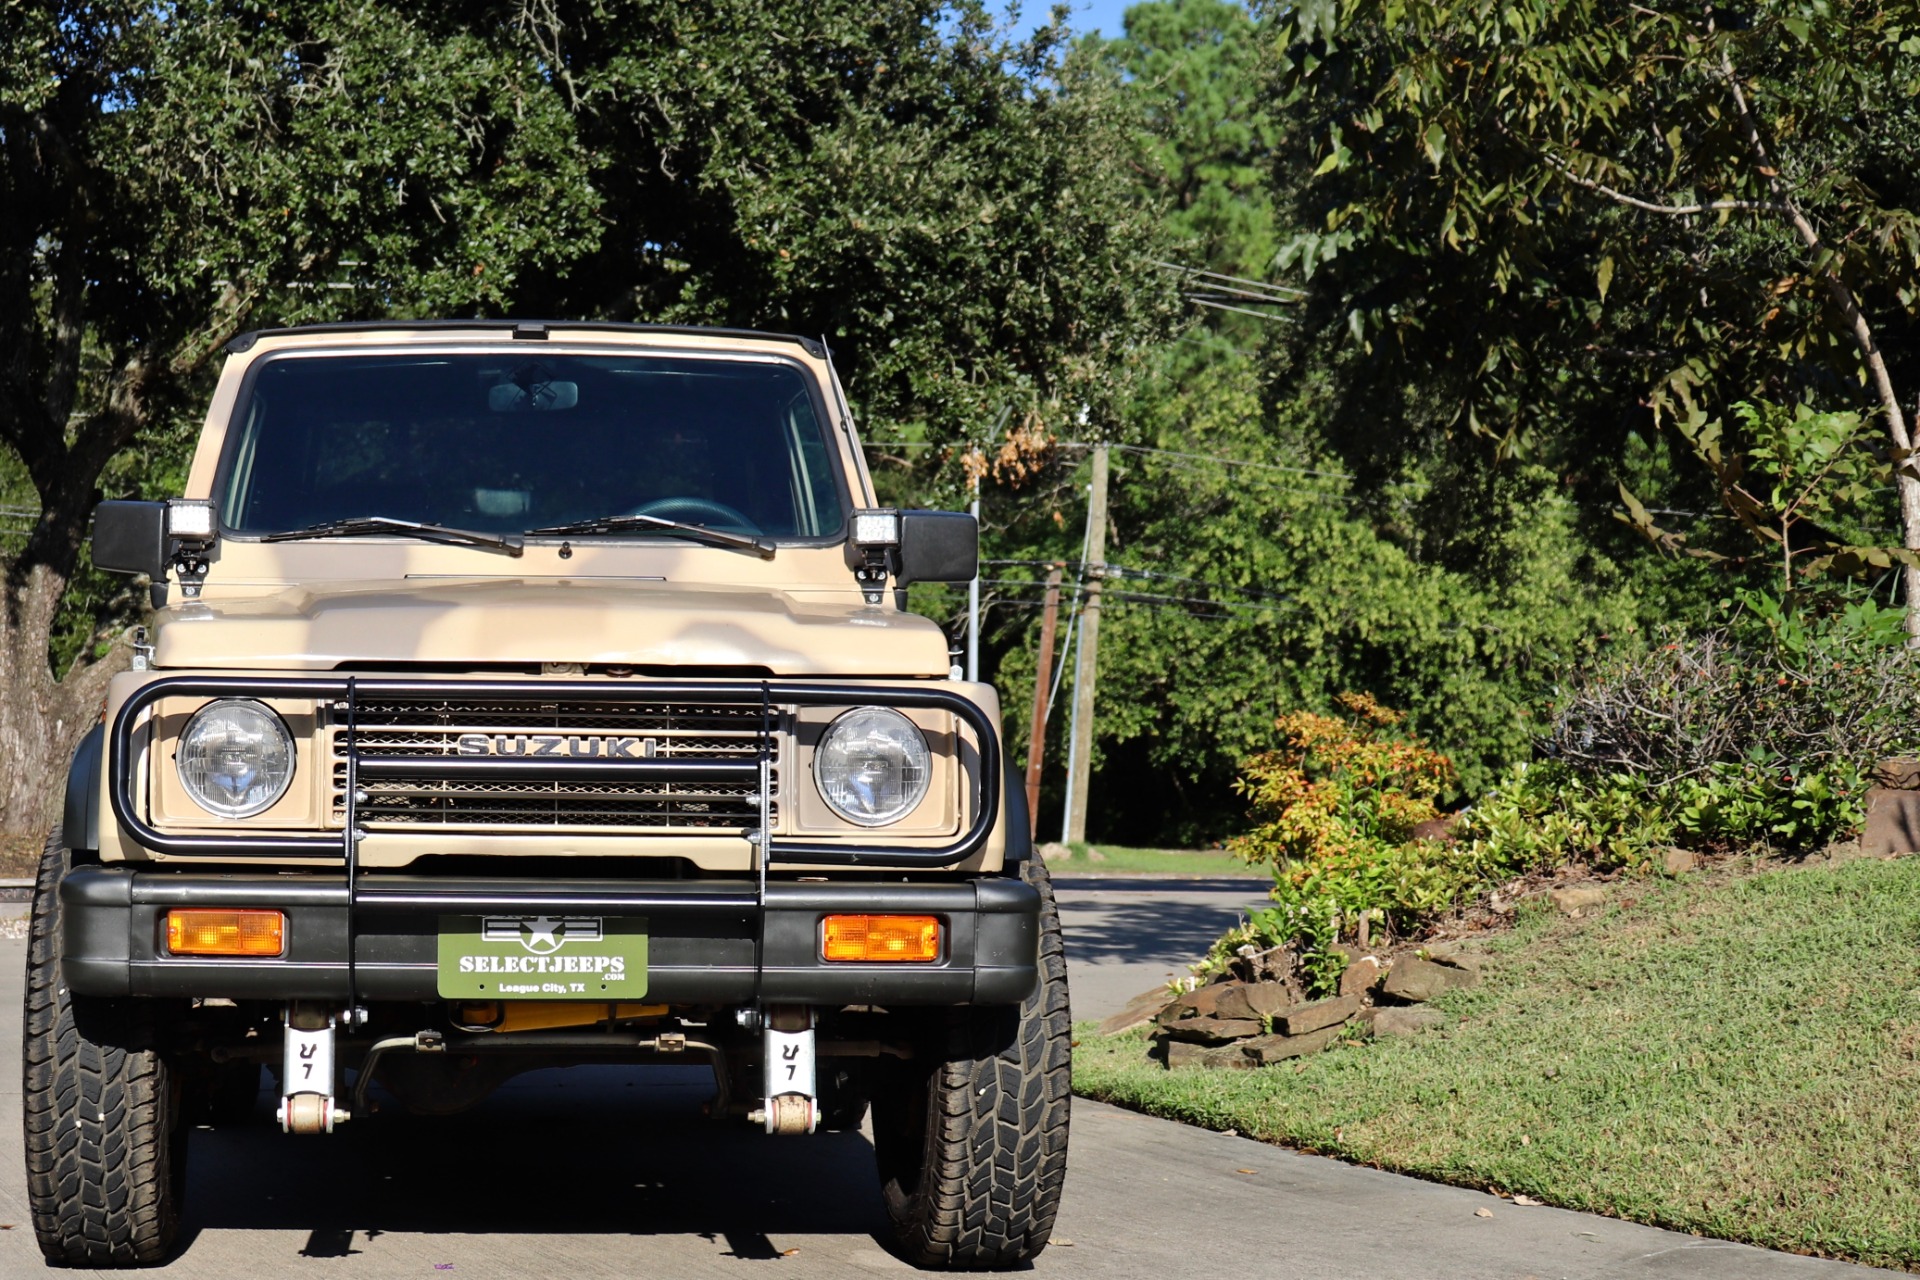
911	546
938	546
131	537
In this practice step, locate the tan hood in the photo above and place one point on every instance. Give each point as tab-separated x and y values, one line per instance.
524	620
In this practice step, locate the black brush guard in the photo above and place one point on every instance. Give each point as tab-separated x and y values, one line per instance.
347	690
993	917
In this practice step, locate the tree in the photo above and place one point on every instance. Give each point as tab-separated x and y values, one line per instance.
172	173
939	198
1557	222
1251	572
1194	71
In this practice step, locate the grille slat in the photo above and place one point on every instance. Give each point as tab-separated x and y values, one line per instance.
421	729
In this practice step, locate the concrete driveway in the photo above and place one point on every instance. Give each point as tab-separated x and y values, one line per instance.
611	1172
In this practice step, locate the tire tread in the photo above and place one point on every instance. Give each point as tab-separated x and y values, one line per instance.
100	1143
999	1104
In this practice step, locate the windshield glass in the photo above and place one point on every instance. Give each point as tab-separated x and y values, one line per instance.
521	440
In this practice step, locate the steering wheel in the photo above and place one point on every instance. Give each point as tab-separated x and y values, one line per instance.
691	510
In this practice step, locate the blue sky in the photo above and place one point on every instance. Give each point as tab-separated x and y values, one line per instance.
1105	15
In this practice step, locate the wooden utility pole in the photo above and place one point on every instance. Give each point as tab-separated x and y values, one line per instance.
1086	662
1042	679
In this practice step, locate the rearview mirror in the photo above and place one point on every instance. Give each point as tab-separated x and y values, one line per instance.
538	397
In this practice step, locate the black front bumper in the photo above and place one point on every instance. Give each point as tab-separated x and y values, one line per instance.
701	935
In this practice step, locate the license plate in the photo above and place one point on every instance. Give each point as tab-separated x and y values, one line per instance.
543	957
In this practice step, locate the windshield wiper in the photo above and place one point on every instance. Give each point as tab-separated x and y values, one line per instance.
656	524
360	526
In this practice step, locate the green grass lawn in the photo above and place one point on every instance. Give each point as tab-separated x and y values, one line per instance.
1737	1057
1119	860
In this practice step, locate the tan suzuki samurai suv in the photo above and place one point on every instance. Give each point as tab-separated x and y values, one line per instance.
530	694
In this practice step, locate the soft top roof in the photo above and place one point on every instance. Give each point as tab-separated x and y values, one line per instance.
530	330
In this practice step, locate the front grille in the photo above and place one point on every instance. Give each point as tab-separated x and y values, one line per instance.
426	727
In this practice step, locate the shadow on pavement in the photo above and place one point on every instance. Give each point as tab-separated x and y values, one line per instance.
585	1150
1254	887
1146	930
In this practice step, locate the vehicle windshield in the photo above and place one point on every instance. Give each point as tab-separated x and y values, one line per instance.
503	443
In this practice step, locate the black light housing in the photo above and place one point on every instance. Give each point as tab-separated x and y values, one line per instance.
152	537
911	546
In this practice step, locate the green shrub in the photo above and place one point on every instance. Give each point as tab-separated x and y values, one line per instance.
1714	741
1729	740
1337	804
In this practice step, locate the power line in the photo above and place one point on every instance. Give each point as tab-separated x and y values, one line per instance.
1261	286
1222	459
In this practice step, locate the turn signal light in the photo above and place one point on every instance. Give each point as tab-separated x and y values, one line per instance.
911	938
201	932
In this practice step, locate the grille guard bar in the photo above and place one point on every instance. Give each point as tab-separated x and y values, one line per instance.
350	688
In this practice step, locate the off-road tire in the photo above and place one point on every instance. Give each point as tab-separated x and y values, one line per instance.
972	1146
105	1150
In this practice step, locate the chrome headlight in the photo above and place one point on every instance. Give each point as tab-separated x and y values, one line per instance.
235	758
872	766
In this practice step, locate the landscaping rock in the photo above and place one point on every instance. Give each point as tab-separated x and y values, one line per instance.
1179	1053
1405	1022
1253	999
1182	1053
1253	965
1203	1003
1228	1057
1214	1030
1579	900
1139	1011
1360	976
1454	956
1415	981
1264	1051
1898	774
1678	862
1893	821
1304	1018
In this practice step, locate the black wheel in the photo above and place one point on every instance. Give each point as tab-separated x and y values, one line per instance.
972	1138
106	1155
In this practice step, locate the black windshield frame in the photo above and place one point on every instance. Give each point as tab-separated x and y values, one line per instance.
826	417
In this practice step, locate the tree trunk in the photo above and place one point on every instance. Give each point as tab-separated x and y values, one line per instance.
1863	338
42	719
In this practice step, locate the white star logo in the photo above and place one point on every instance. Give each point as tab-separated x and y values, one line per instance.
543	935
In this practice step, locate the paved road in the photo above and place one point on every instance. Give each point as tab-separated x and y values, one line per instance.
604	1172
1127	935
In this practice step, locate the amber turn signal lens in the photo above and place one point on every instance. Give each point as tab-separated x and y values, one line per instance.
200	932
880	938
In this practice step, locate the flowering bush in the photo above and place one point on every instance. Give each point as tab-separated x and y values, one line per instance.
1336	806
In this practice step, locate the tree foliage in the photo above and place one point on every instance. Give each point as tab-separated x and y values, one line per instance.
1561	224
1252	571
938	197
172	173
